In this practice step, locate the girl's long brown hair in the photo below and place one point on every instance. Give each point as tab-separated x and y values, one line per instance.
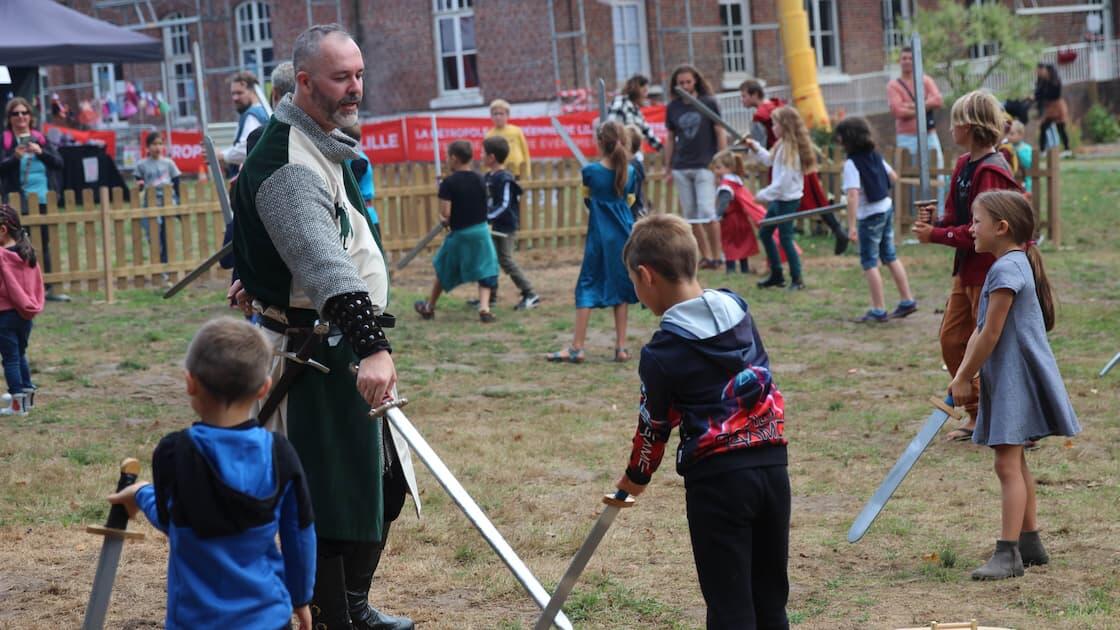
795	136
1013	207
9	218
732	161
612	145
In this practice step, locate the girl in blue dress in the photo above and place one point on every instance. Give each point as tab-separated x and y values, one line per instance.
603	280
1022	397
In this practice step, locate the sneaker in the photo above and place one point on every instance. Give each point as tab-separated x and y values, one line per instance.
775	280
903	309
527	302
873	315
424	309
796	285
475	302
58	297
486	317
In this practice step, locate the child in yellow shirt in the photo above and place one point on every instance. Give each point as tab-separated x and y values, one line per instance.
518	161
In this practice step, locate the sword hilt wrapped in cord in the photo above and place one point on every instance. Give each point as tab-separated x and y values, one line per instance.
118	515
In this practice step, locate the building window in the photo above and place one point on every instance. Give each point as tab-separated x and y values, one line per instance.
254	38
897	15
734	18
177	50
456	48
629	29
988	49
823	35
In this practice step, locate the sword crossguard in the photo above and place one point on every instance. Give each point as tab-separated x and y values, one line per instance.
294	358
383	408
614	500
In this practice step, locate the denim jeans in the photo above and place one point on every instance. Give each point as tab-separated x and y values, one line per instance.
909	143
146	226
14	333
785	235
876	240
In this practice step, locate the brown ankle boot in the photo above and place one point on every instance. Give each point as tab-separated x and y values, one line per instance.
1031	549
1004	563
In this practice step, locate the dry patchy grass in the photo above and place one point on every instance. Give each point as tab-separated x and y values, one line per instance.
538	444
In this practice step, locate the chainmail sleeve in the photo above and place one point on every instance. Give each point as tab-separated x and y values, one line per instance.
298	214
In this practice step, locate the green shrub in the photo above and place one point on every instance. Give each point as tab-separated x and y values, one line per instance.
1099	125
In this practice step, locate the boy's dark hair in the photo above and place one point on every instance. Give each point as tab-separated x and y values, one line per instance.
665	244
855	135
633	87
229	358
750	86
151	138
906	49
461	150
496	146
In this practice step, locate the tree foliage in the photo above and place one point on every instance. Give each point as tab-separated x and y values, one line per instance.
952	34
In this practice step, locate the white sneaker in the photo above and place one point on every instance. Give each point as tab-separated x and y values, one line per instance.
527	302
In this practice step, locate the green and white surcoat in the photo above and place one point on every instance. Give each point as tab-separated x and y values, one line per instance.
301	236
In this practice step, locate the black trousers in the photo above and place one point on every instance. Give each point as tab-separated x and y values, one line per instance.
1043	144
739	525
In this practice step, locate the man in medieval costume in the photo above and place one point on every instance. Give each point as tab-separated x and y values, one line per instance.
307	255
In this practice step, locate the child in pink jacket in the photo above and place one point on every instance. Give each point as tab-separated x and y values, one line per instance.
21	299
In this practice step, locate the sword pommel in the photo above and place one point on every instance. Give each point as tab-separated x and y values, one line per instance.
619	499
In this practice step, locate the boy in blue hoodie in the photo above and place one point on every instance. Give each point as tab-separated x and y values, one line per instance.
222	490
706	370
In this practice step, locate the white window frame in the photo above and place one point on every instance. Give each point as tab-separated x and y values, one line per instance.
254	35
454	10
110	89
180	70
894	26
622	73
816	35
738	65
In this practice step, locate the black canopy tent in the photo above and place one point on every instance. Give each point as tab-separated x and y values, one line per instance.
45	33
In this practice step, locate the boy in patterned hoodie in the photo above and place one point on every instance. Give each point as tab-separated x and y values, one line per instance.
706	370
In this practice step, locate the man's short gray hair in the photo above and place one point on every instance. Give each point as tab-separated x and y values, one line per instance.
307	44
283	80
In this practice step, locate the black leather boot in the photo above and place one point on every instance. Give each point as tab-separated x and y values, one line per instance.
361	564
1031	549
328	602
776	279
1005	562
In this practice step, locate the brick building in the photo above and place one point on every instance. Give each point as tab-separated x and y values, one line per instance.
447	54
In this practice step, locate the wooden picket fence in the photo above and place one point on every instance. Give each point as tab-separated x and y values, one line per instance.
97	242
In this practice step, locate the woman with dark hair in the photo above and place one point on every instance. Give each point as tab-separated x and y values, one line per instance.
691	143
626	108
29	164
1051	107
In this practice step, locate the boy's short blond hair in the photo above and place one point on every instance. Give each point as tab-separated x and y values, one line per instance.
499	103
1017	127
665	244
230	359
982	113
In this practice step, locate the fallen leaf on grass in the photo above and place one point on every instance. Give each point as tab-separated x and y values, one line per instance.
1068	444
931	557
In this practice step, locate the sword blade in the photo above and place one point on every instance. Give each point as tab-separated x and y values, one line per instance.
920	111
218	178
199	270
415	251
905	462
709	114
575	569
793	216
602	101
567	139
1108	366
103	583
420	446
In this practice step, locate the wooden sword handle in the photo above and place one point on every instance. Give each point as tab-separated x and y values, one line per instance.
118	515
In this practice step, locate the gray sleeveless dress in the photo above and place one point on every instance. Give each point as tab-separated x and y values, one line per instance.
1022	396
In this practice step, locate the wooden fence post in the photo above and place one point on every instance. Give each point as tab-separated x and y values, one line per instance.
1053	197
107	245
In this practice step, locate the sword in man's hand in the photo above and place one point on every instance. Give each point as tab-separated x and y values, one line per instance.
115	535
404	427
614	503
227	214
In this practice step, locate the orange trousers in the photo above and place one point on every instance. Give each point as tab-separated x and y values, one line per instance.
956	327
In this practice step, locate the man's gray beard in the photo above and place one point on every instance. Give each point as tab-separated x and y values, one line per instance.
344	120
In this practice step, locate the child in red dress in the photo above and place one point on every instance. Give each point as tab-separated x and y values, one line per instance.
738	211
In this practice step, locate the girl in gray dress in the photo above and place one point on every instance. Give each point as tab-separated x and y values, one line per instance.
1022	397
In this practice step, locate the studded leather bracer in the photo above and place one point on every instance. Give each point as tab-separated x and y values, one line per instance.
354	316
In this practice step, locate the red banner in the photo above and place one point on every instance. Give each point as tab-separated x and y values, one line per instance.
107	138
411	138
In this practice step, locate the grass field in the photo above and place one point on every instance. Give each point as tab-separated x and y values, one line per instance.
537	445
